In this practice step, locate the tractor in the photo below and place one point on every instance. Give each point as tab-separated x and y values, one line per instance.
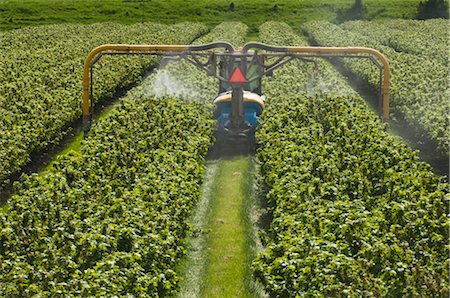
240	99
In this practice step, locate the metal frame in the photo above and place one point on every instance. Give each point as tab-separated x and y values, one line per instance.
194	54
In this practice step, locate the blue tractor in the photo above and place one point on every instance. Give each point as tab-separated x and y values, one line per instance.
240	102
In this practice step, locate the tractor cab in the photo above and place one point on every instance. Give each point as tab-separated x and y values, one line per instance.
253	68
252	99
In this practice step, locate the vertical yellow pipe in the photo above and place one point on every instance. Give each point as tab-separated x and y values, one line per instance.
86	101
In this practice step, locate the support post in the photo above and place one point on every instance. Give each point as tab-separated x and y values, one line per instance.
96	53
237	107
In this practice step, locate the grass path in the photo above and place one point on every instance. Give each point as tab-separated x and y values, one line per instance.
228	267
223	242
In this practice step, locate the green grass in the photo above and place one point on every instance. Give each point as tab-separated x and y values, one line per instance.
223	241
229	251
20	13
192	268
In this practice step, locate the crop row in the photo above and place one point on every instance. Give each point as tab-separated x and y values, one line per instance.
112	219
408	24
418	86
40	79
355	212
424	38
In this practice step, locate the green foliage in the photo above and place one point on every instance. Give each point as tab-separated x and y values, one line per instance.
426	39
355	212
418	83
110	220
430	9
232	32
212	12
40	79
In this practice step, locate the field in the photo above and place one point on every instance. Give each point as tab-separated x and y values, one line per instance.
426	107
332	202
19	13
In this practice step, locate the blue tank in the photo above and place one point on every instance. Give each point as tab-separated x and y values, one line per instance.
252	111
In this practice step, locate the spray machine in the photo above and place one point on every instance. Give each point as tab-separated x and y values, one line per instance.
240	101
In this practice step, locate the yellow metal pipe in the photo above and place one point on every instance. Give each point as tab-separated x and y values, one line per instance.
357	50
117	48
86	104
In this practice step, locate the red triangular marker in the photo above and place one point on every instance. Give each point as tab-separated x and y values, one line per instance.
237	77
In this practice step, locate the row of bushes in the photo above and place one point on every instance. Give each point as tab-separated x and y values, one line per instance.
355	212
40	79
110	220
418	84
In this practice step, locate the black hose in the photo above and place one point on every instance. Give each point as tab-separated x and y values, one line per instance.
213	45
263	46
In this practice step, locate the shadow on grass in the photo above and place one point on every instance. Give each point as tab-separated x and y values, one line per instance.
356	12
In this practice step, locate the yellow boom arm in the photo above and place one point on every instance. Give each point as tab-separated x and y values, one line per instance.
191	53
